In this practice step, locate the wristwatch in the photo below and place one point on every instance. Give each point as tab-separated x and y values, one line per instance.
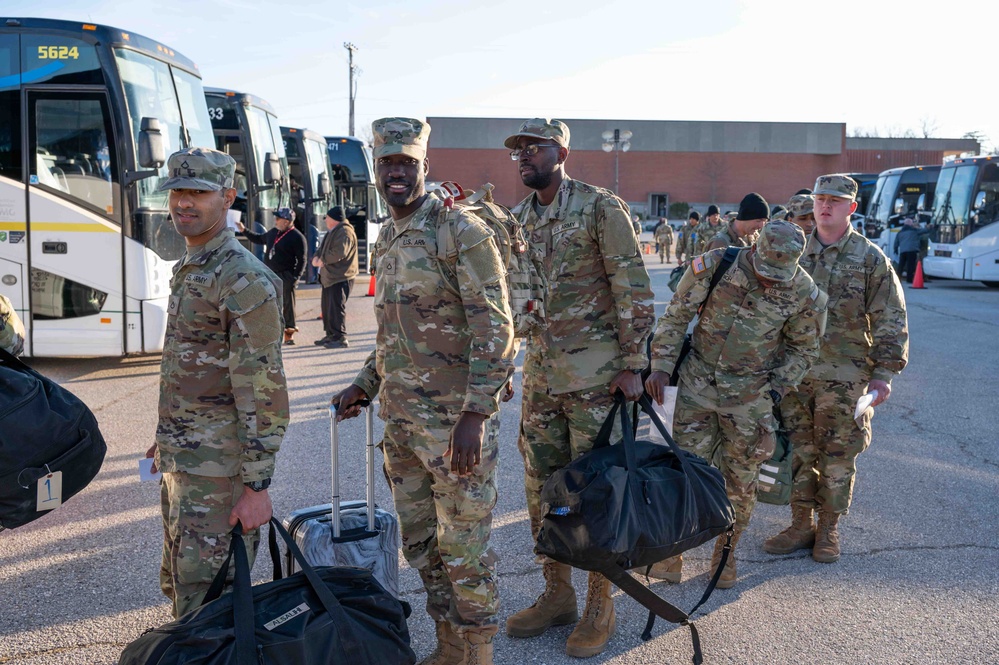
774	395
259	485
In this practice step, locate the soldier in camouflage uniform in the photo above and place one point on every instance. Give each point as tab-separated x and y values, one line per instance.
223	406
709	227
757	335
741	232
686	241
11	328
664	239
866	343
443	354
800	208
600	311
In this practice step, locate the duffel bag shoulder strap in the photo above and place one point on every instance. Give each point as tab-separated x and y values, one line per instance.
659	607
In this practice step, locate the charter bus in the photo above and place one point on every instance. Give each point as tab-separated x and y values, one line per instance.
965	237
88	115
354	187
900	193
246	128
312	184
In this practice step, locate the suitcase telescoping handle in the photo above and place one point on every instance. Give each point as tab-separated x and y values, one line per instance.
369	416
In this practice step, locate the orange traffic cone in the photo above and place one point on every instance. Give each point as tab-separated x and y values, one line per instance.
917	281
371	285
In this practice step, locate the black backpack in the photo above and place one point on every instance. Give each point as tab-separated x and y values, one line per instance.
631	505
44	429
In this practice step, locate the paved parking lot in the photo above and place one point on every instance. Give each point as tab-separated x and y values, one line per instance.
917	582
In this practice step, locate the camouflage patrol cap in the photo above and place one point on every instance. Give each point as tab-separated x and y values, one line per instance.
400	136
199	168
836	184
541	128
777	251
801	204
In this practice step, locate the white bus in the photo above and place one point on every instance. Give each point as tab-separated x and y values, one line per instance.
88	114
965	237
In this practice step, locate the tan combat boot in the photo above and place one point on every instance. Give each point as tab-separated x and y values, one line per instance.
669	570
826	548
728	576
556	606
478	645
450	647
595	629
799	536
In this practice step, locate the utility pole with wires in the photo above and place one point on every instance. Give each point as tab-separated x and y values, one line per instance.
353	86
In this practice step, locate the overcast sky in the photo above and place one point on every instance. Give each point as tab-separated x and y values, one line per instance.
876	65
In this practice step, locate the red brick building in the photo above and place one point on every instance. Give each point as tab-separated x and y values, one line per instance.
681	161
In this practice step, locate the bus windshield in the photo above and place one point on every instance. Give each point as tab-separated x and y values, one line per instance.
954	202
881	207
263	130
315	153
151	92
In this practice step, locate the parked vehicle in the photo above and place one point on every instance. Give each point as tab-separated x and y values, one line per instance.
965	238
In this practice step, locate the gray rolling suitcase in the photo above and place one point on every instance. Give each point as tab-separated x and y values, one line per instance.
361	535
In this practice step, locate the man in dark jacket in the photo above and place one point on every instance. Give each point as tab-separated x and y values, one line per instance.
907	245
285	256
337	264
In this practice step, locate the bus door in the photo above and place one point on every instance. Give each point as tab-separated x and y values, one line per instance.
74	240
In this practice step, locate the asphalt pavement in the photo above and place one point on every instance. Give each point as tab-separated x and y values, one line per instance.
917	582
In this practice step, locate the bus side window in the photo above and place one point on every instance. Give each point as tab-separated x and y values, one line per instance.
10	110
72	154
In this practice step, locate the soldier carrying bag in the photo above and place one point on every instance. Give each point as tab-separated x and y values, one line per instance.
631	505
50	444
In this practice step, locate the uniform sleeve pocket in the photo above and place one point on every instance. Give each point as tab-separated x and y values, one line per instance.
255	315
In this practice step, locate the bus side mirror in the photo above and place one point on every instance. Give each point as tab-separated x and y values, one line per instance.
899	206
324	188
272	168
152	151
979	201
921	203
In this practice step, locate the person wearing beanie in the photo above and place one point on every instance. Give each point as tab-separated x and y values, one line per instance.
741	231
286	249
337	263
753	342
686	242
708	229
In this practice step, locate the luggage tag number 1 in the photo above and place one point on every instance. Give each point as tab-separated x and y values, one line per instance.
49	491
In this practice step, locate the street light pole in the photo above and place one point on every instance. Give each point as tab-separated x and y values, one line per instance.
350	49
616	141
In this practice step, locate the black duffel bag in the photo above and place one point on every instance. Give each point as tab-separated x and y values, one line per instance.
631	505
322	615
44	430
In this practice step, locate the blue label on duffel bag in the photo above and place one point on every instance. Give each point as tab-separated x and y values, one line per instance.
561	510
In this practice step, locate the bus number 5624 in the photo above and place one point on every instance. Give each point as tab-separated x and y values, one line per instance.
58	53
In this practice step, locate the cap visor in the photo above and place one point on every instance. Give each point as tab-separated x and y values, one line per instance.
836	193
188	183
388	149
773	273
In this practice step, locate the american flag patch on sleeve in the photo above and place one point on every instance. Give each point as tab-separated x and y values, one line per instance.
698	265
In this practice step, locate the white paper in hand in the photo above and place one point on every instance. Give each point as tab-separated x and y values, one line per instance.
665	413
146	470
863	404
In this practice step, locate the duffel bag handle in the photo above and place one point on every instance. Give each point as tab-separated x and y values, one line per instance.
242	594
627	436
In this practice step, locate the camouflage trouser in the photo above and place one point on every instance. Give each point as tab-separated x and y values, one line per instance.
196	535
446	519
826	441
734	434
664	248
554	430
